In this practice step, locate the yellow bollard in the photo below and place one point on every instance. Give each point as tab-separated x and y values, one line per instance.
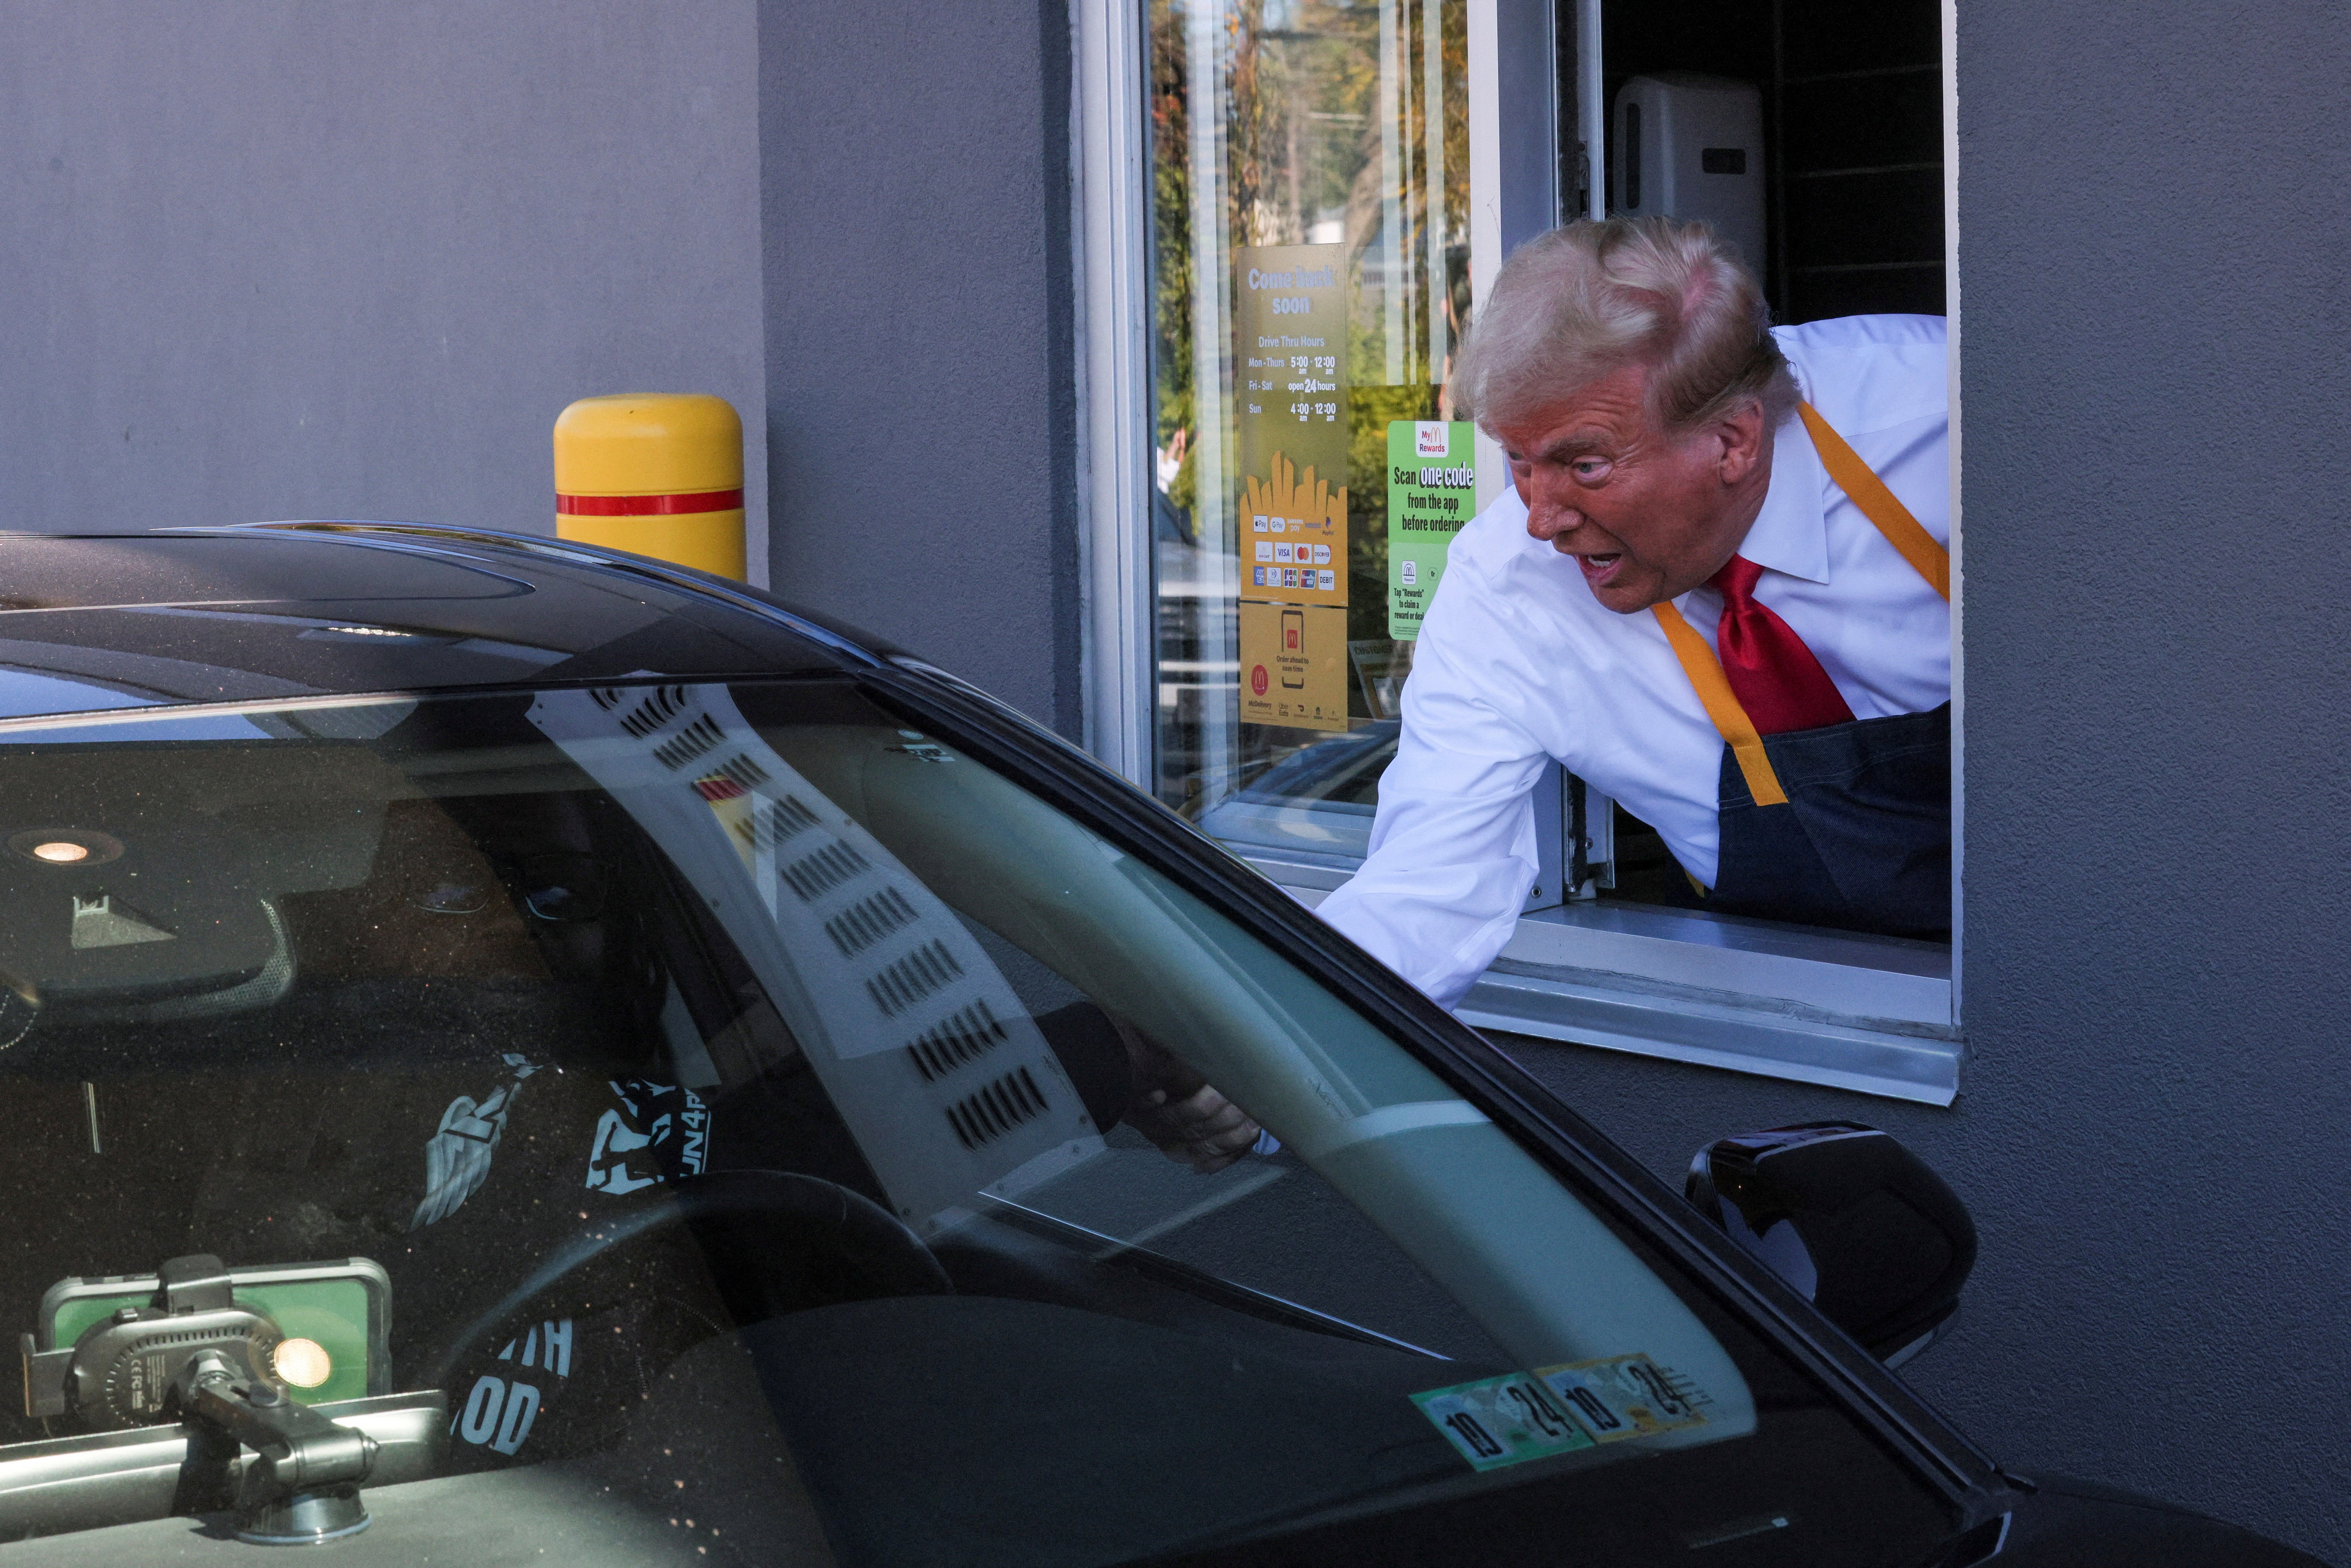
660	473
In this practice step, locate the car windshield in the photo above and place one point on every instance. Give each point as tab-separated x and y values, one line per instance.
736	1123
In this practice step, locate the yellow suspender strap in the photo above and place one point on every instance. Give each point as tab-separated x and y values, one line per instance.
1878	504
1713	689
1893	519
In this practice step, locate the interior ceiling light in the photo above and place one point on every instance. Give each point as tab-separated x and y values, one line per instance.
79	847
303	1362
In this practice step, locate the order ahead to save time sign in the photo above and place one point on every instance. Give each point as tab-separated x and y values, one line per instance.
1432	491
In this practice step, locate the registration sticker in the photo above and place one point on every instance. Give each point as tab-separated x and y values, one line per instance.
1505	1420
1620	1397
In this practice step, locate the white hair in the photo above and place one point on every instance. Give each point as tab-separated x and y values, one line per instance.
1588	298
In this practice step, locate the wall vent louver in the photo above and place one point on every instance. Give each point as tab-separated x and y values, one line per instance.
869	920
966	1035
738	774
792	816
665	703
913	978
813	875
694	741
783	821
982	1118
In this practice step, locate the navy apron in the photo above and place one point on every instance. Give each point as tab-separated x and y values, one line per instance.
1849	825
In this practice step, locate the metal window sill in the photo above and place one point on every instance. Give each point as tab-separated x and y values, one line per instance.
1868	1014
1305	876
1844	972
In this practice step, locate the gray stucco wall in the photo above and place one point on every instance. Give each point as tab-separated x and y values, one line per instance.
263	258
921	364
2158	355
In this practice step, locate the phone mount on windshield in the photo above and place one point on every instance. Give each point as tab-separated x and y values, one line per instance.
196	1354
303	1483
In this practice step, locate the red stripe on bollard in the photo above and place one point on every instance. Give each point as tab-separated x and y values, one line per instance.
647	506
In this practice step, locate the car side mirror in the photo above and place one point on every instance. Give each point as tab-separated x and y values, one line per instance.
1856	1223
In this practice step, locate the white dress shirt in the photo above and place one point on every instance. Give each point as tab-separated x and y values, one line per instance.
1518	663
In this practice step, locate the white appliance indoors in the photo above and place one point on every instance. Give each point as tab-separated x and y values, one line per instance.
1691	146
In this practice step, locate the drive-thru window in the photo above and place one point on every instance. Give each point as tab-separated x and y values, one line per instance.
1301	201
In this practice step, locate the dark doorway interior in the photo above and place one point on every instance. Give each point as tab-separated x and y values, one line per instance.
1852	111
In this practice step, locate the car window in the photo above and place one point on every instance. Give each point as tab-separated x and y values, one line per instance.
740	1116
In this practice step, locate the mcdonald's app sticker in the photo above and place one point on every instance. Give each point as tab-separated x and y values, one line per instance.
1506	1420
1431	438
1295	656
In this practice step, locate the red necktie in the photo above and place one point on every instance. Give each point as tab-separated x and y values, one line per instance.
1774	676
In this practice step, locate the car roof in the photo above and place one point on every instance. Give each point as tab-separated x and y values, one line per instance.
292	611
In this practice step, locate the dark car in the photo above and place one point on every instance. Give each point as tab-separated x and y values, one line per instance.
516	1054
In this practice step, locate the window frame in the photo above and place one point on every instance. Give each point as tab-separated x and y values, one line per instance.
1875	1016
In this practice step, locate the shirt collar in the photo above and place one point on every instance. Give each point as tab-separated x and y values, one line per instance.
1791	534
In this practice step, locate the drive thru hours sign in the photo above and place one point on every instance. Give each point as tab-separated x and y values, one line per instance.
1432	491
1289	331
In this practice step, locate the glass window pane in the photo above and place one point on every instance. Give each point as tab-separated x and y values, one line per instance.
1310	234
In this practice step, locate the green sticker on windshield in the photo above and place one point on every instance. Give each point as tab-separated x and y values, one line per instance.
1620	1397
1506	1420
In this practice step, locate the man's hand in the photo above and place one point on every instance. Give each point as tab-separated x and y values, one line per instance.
1180	1112
1204	1129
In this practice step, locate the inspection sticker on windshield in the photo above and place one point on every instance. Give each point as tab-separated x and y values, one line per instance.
1499	1421
1620	1397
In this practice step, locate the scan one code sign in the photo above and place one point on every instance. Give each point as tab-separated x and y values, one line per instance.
1432	491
